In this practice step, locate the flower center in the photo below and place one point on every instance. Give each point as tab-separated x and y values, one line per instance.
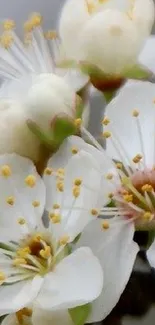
136	196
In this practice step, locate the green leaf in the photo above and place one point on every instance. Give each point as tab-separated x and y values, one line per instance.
62	128
139	72
80	314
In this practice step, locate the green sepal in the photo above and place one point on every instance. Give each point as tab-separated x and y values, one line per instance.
138	72
62	127
109	95
151	237
45	138
79	107
80	314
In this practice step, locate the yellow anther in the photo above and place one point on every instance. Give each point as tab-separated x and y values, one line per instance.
36	204
28	26
109	176
55	218
110	195
45	253
119	165
60	172
21	313
78	181
19	261
48	171
6	171
60	186
147	216
8	24
2	276
105	121
105	225
21	221
35	19
137	158
6	40
23	252
74	150
64	240
30	181
37	237
56	206
94	212
147	188
78	122
10	200
106	134
76	191
135	113
51	34
90	6
128	197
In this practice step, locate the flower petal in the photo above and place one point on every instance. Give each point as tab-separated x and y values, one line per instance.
47	317
147	55
9	320
17	296
76	212
140	131
75	281
22	192
151	254
116	251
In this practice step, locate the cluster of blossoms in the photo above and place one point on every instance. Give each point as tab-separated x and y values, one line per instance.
69	208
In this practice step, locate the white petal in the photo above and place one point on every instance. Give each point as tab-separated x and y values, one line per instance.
76	212
147	55
24	196
47	317
124	126
143	15
76	79
10	320
17	296
116	251
151	254
75	281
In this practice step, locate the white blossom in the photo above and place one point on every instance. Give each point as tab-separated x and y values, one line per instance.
109	34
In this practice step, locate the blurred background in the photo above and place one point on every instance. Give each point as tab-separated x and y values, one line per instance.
136	306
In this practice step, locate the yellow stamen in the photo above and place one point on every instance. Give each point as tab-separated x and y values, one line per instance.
10	200
55	218
60	186
19	261
64	240
6	171
48	171
30	181
137	158
2	277
37	238
119	165
56	206
105	121
105	225
21	221
147	216
46	253
106	134
74	150
6	40
51	34
94	212
8	24
78	181
36	204
90	6
128	197
147	188
28	26
23	252
78	122
135	113
23	312
61	172
76	191
153	100
109	176
36	19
